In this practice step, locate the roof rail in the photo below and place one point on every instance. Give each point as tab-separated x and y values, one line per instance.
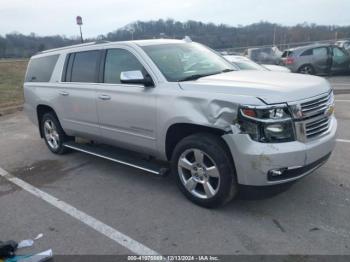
73	46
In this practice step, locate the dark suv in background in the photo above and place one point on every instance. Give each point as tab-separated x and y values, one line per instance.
317	59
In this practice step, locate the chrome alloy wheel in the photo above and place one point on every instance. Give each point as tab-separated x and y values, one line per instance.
199	173
51	135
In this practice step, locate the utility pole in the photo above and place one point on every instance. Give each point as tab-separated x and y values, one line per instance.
274	36
80	23
132	31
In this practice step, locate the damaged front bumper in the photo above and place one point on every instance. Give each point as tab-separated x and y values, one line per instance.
260	164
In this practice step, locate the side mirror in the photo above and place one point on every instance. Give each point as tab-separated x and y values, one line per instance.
136	77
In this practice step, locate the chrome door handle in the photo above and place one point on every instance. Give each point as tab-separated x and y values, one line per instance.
63	93
104	97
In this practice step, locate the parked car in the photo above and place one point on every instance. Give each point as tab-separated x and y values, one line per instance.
183	104
345	44
264	55
244	63
317	59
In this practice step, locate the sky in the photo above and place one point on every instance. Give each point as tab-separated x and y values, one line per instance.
50	17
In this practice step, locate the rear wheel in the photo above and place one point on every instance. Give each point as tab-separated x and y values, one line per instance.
307	70
204	170
53	134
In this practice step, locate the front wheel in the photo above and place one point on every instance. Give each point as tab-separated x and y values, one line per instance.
204	170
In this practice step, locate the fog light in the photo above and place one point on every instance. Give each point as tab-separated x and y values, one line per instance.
277	172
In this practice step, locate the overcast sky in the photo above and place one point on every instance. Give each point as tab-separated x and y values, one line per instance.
49	17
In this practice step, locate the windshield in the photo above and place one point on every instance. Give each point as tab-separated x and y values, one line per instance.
186	61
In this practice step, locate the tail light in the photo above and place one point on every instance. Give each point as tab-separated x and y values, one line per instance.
289	61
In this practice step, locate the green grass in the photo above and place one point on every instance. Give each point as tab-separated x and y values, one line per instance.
11	82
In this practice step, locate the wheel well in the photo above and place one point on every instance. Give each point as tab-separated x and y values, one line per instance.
177	132
41	110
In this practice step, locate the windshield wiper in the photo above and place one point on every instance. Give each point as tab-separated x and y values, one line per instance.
197	76
227	70
193	77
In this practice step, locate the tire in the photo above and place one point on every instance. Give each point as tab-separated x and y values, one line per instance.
216	169
53	134
306	69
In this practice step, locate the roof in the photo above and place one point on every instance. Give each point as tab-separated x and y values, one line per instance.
307	47
107	43
157	42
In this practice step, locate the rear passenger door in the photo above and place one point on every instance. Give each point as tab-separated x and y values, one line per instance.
127	112
77	94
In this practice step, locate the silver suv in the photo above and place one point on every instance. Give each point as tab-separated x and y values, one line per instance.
183	104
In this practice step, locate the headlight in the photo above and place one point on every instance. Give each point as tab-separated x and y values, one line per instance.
267	124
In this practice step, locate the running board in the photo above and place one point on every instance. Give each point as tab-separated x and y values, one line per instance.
120	156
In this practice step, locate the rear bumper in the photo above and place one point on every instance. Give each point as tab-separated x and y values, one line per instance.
259	164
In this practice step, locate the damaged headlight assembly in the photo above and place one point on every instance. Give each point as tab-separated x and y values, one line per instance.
267	124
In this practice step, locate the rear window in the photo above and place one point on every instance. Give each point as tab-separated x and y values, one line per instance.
40	69
85	66
287	53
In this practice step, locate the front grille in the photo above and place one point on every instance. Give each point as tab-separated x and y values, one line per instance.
317	127
317	106
315	120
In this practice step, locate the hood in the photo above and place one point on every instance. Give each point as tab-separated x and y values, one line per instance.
272	87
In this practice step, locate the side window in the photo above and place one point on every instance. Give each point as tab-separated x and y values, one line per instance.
40	69
84	67
337	52
307	52
117	61
320	52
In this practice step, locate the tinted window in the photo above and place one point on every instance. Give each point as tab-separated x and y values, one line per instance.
287	53
320	52
337	52
85	67
307	52
40	69
117	61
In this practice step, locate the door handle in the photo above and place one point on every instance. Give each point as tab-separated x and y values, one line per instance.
63	93
104	97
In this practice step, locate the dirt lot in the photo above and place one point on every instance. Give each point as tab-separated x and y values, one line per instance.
11	82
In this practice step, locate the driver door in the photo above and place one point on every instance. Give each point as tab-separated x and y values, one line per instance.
340	60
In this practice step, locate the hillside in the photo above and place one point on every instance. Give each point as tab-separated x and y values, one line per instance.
221	36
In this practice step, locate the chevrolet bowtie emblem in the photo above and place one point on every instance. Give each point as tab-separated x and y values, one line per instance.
330	110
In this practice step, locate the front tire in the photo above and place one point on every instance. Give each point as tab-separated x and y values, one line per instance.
204	170
53	134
